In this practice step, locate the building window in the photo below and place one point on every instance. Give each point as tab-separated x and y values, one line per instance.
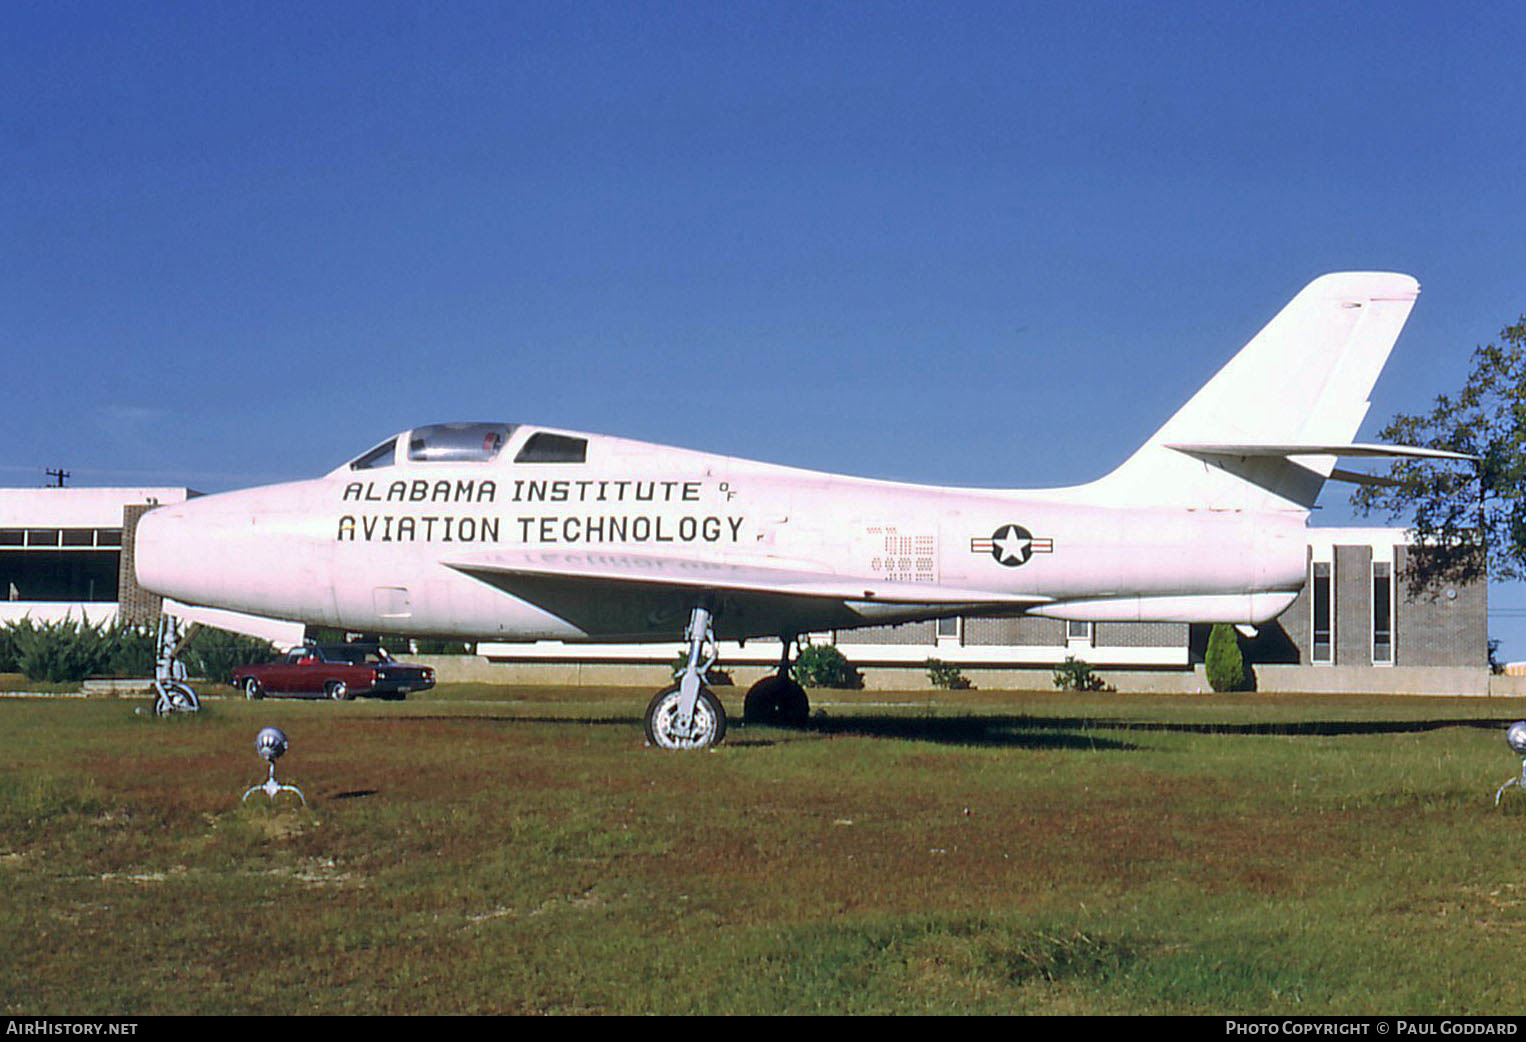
1382	613
948	630
59	575
1323	596
1078	632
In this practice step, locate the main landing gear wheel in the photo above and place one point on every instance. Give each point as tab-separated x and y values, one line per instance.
777	700
665	729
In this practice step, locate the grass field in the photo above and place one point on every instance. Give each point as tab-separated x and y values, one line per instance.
519	851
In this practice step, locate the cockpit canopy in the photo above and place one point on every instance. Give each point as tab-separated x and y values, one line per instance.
472	443
458	442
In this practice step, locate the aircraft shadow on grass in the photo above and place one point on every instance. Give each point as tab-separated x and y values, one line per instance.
1021	731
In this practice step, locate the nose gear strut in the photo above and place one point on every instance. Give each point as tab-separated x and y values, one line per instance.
171	693
687	715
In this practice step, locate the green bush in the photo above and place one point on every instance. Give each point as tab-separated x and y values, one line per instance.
7	651
69	650
1223	661
133	650
947	677
428	646
822	665
215	654
1076	675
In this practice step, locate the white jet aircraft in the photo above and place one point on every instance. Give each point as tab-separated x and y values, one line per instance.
493	531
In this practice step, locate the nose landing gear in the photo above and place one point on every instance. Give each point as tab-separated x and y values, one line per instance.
687	715
171	693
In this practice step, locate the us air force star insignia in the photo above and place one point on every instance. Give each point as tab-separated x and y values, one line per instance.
1012	545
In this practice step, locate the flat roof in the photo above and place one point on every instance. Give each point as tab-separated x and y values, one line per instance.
79	507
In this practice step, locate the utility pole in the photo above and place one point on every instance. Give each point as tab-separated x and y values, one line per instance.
59	477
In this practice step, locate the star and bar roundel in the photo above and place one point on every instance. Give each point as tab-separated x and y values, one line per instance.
1011	545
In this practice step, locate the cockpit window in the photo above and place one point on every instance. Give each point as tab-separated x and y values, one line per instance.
458	442
381	456
553	448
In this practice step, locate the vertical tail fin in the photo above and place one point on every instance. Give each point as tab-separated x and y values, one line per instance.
1303	380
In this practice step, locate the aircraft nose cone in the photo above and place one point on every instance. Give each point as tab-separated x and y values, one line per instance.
255	550
159	550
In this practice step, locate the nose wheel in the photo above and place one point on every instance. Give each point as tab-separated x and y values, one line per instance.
666	727
687	715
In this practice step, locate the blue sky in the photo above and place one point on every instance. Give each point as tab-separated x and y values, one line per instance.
992	244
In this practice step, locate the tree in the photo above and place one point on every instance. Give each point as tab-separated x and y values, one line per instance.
1466	521
1223	662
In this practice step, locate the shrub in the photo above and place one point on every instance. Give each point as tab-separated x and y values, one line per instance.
1224	663
822	665
1076	675
946	676
133	650
429	646
62	651
215	654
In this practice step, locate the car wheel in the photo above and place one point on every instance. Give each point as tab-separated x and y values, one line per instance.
337	690
252	689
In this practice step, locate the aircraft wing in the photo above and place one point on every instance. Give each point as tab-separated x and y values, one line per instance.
656	571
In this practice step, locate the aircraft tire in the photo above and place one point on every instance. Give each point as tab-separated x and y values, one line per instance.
709	721
176	698
777	701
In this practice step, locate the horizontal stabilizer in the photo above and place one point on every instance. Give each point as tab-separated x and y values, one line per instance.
1248	450
696	574
1353	477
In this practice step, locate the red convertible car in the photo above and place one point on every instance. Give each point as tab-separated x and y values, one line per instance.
336	671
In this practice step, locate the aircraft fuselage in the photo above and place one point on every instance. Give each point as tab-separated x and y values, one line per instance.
419	547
